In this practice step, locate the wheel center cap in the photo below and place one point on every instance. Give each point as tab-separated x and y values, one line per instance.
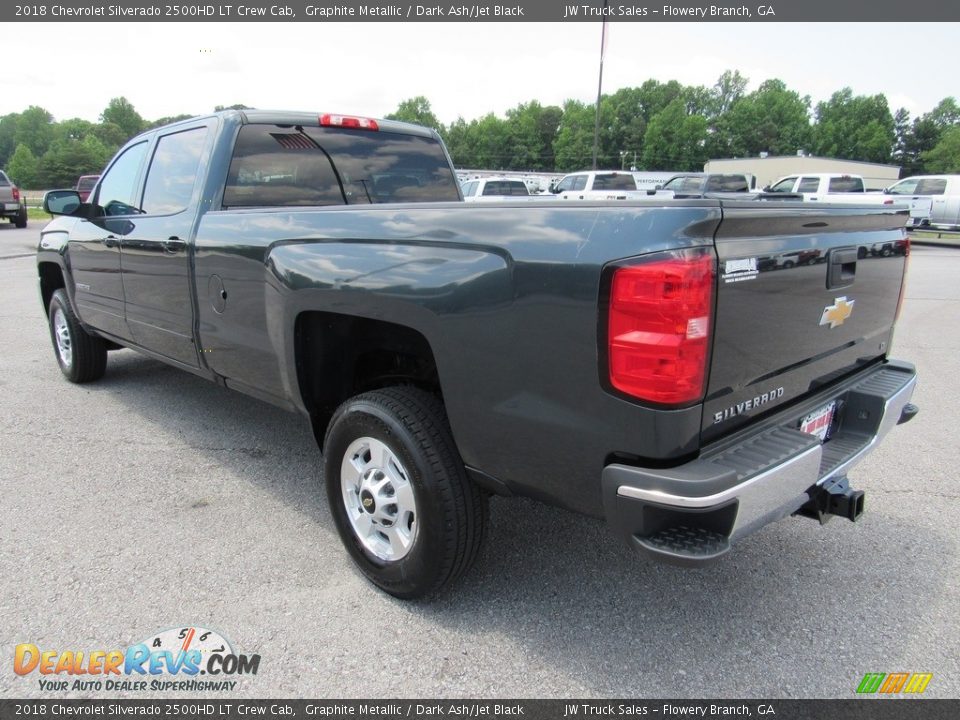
369	504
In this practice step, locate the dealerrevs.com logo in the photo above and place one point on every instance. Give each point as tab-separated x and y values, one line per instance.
185	658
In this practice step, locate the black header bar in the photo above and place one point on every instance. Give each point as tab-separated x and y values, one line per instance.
858	11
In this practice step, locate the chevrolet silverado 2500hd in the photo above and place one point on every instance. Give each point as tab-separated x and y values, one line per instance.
644	362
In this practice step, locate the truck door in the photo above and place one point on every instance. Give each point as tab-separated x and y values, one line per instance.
157	252
94	245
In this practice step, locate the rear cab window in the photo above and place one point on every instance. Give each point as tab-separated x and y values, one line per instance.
283	166
615	181
846	184
505	187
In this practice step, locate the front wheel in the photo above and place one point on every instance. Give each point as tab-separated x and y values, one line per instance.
406	511
82	357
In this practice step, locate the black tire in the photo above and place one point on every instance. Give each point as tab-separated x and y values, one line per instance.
21	219
86	354
450	521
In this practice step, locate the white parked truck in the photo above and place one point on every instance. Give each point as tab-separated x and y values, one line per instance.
847	189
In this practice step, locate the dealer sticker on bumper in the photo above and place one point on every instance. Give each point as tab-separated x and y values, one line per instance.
818	422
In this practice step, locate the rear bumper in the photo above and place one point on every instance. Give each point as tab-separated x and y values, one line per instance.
690	514
11	209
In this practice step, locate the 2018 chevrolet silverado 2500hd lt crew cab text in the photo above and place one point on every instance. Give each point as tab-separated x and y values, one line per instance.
631	361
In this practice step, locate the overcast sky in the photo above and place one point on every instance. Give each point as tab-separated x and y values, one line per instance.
465	69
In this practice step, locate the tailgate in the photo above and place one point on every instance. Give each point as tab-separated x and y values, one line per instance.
804	297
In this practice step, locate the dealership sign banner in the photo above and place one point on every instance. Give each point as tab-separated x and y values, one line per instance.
227	709
503	11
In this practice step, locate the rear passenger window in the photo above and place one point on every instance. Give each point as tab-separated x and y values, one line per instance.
809	185
173	172
931	186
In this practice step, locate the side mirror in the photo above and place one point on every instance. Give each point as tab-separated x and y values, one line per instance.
61	202
766	188
658	187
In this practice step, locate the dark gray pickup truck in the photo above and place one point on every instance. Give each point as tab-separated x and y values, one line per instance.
655	363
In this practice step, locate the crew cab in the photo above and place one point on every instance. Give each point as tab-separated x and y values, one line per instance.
12	205
939	195
652	363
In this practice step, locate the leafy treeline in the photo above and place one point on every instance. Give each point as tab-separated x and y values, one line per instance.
669	126
656	126
38	152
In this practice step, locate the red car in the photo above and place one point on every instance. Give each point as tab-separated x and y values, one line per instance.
85	185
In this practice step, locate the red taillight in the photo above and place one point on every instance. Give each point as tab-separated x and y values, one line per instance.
658	332
16	193
348	121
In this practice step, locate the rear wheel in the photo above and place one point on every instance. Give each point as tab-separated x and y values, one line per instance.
21	219
406	511
82	357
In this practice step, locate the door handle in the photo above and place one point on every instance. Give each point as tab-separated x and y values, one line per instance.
173	245
842	264
111	241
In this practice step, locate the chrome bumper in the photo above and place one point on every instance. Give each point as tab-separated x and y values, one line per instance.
731	493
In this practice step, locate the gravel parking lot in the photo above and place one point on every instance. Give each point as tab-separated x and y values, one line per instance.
153	499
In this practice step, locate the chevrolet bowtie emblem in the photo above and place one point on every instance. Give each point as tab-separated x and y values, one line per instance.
834	315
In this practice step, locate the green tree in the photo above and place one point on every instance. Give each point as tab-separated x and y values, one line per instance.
8	132
416	110
675	140
34	129
901	134
771	119
22	167
729	88
925	134
238	106
73	129
573	147
112	136
855	127
160	122
945	157
120	112
66	160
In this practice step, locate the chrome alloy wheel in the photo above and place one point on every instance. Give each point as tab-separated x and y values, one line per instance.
379	498
62	333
